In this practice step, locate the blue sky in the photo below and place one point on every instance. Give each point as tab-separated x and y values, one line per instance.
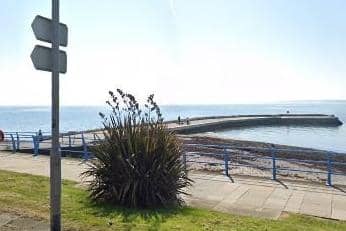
184	51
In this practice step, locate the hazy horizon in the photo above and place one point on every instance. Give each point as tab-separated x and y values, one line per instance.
215	104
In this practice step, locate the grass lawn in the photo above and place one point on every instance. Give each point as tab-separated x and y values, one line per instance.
27	194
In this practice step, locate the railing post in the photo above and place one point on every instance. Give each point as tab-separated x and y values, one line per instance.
273	162
61	152
329	169
13	144
35	140
184	162
69	140
18	141
85	148
33	144
225	157
38	139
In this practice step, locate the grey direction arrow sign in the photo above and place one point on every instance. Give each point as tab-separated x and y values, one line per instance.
42	28
42	59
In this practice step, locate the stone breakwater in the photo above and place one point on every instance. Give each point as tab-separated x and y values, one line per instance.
214	123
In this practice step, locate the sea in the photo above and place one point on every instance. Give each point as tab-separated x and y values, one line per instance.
77	118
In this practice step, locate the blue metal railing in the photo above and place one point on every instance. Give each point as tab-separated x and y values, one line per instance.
69	142
15	141
225	160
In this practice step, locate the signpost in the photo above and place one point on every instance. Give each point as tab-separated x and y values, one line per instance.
42	59
42	28
52	60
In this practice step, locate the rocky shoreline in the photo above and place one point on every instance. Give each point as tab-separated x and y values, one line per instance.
255	159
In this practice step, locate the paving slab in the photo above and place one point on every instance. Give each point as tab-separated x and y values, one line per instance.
246	201
254	198
201	203
39	165
237	193
339	207
278	199
25	224
6	218
317	204
226	205
294	202
272	213
212	190
276	203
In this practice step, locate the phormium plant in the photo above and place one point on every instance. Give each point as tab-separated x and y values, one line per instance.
138	164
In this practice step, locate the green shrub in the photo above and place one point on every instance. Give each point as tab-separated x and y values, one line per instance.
139	162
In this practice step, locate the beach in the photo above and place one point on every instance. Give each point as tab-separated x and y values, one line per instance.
258	162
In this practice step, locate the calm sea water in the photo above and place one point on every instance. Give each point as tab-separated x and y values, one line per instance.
83	118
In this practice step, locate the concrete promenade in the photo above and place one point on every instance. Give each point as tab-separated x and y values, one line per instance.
239	195
260	197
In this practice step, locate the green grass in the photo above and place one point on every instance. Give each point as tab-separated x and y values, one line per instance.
28	195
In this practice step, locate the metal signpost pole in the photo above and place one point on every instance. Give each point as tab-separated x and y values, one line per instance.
55	61
55	156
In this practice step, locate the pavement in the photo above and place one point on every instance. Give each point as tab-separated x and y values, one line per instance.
10	221
253	196
241	195
39	165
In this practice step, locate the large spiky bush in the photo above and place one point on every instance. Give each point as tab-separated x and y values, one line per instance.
139	162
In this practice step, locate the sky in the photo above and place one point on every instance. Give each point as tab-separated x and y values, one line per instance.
183	51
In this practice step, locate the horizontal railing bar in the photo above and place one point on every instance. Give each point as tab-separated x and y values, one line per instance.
64	150
268	157
264	149
203	162
338	163
298	170
204	153
230	156
248	165
304	161
339	174
248	156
